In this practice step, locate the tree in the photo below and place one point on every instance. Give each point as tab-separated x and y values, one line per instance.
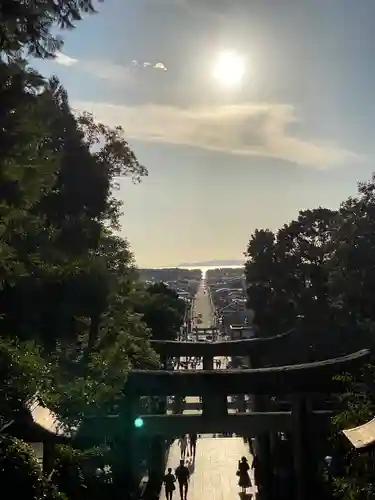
163	311
27	166
353	471
29	25
21	474
305	248
74	211
69	328
23	374
83	473
352	273
322	265
288	273
262	276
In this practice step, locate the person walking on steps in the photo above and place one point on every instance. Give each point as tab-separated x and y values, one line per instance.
183	442
244	480
183	476
169	480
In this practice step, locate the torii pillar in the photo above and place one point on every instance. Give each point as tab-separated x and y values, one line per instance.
214	405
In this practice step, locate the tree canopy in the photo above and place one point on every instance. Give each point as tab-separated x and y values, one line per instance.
297	277
65	274
162	310
70	325
316	275
30	25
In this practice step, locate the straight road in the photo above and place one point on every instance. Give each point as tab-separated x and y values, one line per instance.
203	308
213	472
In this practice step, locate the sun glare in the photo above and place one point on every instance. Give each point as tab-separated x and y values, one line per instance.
229	69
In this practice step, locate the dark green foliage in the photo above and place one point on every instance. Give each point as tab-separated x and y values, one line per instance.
287	273
69	326
162	310
28	24
295	280
83	473
316	275
23	373
354	470
21	474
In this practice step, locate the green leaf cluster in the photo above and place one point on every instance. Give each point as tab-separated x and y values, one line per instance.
72	320
316	275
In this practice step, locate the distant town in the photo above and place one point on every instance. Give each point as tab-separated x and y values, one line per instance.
226	286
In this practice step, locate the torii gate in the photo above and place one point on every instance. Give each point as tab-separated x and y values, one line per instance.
299	380
214	386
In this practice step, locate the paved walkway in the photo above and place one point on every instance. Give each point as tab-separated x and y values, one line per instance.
213	474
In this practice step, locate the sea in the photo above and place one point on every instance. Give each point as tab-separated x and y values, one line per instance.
204	269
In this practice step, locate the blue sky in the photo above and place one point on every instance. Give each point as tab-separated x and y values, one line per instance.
297	133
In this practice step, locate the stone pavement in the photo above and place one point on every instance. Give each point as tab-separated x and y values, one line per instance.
213	473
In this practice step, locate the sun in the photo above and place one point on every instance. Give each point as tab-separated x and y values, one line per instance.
229	69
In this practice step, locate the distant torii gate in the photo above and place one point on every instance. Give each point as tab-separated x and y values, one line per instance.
253	348
213	330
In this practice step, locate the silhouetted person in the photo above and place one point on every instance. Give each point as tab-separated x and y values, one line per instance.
169	480
244	480
183	442
183	476
193	444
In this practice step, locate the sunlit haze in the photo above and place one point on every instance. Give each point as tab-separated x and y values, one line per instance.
243	112
229	69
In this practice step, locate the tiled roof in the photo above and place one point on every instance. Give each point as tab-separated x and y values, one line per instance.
363	435
46	418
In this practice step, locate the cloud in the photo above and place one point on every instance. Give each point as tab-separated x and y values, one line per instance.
65	60
158	65
250	129
106	70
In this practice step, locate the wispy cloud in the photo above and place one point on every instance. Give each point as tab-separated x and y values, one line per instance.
251	129
105	69
158	65
65	60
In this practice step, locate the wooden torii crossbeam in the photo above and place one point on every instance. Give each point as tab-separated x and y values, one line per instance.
245	424
220	348
317	377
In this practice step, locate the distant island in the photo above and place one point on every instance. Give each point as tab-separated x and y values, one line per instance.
215	263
